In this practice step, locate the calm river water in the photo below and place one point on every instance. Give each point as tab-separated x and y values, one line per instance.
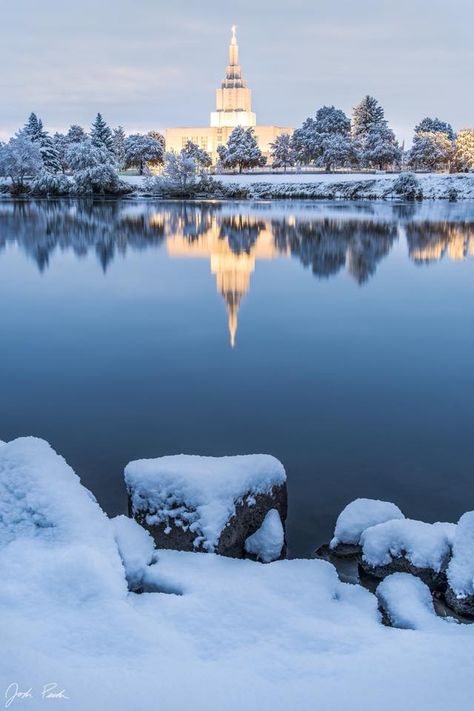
338	337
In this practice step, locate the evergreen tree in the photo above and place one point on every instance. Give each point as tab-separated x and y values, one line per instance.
101	134
366	116
435	125
118	143
282	152
325	140
76	134
431	151
380	148
241	151
201	157
464	151
34	128
35	132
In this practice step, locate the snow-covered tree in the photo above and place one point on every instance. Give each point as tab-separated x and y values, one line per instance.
306	142
93	170
435	125
35	131
366	116
200	156
101	134
140	148
34	128
336	151
380	148
325	140
282	152
464	150
76	134
61	144
180	170
431	151
118	146
241	151
20	158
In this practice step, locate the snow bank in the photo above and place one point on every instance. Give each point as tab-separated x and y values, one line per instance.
359	515
136	548
267	543
199	493
425	545
461	567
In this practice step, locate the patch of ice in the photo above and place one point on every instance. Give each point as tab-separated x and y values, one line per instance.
199	493
267	542
461	567
359	515
425	545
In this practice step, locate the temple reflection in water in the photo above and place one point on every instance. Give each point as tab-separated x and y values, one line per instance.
234	237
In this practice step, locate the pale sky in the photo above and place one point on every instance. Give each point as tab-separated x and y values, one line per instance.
148	64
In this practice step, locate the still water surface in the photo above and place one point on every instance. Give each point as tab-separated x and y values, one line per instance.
338	337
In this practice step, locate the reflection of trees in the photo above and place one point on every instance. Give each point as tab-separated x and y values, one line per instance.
327	244
241	232
430	241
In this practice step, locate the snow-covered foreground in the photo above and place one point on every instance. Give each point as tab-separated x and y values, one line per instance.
221	634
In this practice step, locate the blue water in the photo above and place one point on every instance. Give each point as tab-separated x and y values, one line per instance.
353	360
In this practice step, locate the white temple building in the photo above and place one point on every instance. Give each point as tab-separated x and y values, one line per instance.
233	108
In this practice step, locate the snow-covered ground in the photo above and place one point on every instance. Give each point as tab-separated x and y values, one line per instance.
221	634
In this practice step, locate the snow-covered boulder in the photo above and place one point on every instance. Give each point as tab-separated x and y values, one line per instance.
408	546
55	540
406	602
136	548
267	543
355	518
460	573
211	504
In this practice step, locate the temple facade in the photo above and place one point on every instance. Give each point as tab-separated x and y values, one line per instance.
233	108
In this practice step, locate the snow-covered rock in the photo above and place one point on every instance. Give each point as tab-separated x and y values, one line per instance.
55	541
205	503
406	601
460	573
355	518
408	546
267	543
136	548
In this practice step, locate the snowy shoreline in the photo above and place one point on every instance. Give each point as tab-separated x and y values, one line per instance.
215	632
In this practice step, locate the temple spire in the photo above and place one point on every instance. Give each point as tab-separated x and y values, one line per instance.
234	48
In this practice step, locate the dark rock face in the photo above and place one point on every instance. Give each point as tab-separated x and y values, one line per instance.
436	581
462	606
250	512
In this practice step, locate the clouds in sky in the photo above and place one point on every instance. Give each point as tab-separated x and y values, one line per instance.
151	64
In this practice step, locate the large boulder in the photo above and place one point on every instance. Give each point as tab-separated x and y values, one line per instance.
210	504
407	546
460	573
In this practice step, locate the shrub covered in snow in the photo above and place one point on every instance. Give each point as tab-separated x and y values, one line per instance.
93	170
50	185
359	515
212	503
408	187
